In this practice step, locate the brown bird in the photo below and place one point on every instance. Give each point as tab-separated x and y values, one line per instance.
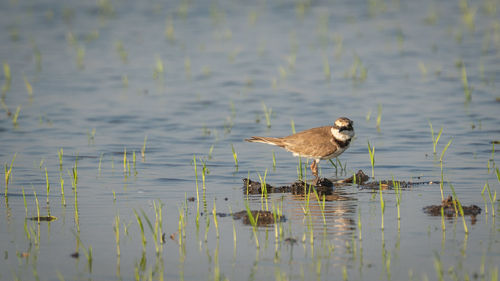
320	143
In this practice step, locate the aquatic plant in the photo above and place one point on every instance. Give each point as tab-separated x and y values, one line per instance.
321	203
100	163
8	79
16	116
29	88
116	229
47	183
141	228
382	205
264	189
235	157
86	251
125	161
492	198
8	174
216	224
37	205
465	83
371	151
196	178
455	199
253	222
379	116
441	183
435	139
267	114
61	181
60	155
143	149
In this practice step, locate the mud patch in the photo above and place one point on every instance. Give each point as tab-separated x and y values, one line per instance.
43	218
326	186
450	209
264	218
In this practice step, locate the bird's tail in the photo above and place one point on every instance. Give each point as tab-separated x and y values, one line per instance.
268	140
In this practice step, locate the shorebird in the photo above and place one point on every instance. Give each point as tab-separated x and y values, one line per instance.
319	143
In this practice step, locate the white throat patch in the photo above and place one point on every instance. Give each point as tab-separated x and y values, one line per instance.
345	135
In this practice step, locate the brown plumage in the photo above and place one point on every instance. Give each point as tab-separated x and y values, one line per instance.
317	143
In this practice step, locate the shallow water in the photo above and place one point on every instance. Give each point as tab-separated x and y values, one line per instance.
221	62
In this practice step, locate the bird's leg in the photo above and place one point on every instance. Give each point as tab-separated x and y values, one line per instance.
314	170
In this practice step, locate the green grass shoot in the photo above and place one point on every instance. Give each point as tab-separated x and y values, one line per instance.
465	83
100	163
459	207
267	114
86	251
120	49
207	227
379	116
210	151
371	151
47	183
8	174
80	56
116	229
29	88
134	161
158	69
214	214
16	116
300	170
435	139
141	227
397	189
444	150
125	161
382	205
326	68
253	222
154	229
8	79
235	157
196	179
321	203
143	149
264	189
61	180
492	198
24	200
60	155
37	205
234	229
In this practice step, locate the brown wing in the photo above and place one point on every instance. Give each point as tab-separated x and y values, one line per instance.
315	142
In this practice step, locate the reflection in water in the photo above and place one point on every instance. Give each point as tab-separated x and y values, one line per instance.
339	212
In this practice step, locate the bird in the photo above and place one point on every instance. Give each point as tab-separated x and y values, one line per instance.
320	143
